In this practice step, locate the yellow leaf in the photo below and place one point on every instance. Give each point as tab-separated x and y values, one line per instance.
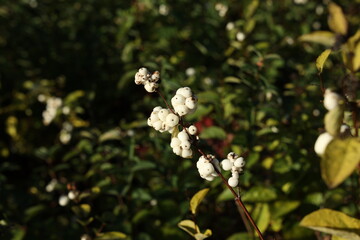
189	226
356	59
201	236
110	236
196	199
322	59
333	222
261	216
334	119
322	37
340	160
336	20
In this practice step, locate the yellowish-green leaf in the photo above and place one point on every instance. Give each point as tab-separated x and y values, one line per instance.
339	161
251	8
82	211
201	236
322	37
113	134
189	226
337	238
281	208
337	21
110	236
320	61
197	198
261	216
334	119
334	223
356	59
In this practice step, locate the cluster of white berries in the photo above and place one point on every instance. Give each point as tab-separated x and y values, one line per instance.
65	199
184	101
52	105
149	80
206	167
163	120
181	144
234	163
332	100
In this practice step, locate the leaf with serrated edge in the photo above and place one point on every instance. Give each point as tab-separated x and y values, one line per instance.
189	226
337	21
340	160
333	222
197	198
322	59
322	37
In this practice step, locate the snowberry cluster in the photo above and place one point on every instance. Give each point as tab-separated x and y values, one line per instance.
206	167
181	144
149	80
184	101
234	163
332	100
52	105
163	120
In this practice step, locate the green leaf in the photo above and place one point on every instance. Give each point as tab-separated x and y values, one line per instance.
333	222
197	198
33	211
337	20
226	195
322	59
259	194
334	119
281	208
189	226
110	236
340	160
322	37
240	236
82	211
143	165
213	132
251	8
110	135
261	216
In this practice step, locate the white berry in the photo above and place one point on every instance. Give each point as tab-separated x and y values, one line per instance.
178	100
172	120
331	99
181	110
190	102
177	150
157	125
184	91
183	136
239	162
321	143
186	153
233	182
163	113
226	164
175	142
185	145
192	130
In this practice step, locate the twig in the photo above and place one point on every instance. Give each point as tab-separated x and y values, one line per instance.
237	197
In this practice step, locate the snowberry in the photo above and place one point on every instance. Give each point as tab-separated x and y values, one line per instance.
185	145
186	153
183	136
181	110
210	178
177	150
163	113
192	130
331	99
151	86
232	156
178	100
149	122
143	71
239	162
175	142
172	120
226	164
157	125
184	91
206	169
233	182
157	108
321	143
190	102
155	76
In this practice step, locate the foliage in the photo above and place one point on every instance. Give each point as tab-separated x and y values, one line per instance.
253	67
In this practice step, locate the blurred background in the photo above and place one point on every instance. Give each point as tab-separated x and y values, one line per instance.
77	157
